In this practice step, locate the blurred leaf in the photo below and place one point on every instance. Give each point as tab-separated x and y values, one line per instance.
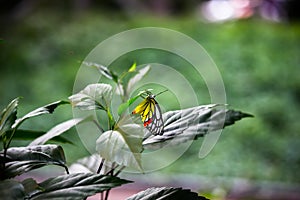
47	109
93	96
122	145
87	164
120	86
30	185
141	73
75	186
164	193
120	89
125	105
12	190
31	135
115	77
90	164
8	116
132	68
112	146
102	69
232	116
59	129
188	124
23	159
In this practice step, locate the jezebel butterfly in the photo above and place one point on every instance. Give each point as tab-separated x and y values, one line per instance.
150	113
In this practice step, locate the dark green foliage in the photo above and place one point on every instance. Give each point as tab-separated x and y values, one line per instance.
164	193
19	160
12	190
120	146
29	135
258	61
8	117
15	161
231	116
74	186
47	109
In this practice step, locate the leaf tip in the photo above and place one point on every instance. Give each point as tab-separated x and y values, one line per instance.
132	68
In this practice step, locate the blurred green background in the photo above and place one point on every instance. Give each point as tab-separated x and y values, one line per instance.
43	44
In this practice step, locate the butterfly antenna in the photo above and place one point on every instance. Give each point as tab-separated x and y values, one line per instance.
161	92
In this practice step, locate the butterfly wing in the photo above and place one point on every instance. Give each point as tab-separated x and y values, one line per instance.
145	109
151	115
156	125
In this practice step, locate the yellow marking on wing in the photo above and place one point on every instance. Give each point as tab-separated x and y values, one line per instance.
145	109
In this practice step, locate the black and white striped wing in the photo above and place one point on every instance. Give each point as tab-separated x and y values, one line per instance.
156	125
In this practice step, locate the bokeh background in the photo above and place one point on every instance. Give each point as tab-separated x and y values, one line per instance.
255	44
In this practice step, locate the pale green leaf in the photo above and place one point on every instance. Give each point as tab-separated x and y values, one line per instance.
59	129
133	81
29	135
102	69
87	164
123	145
90	164
93	96
120	89
8	116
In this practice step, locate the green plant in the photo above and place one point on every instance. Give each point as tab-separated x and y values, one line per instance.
120	144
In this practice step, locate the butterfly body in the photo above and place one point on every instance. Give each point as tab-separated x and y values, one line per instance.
150	114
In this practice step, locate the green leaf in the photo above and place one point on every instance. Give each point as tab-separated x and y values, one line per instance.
12	190
47	109
93	96
59	129
115	77
31	135
123	145
132	68
87	164
188	124
120	89
164	193
8	116
30	185
23	159
90	164
125	105
133	81
102	69
75	186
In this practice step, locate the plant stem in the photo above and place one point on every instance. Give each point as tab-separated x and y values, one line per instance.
106	195
98	126
4	156
111	172
100	166
66	168
111	121
6	145
119	171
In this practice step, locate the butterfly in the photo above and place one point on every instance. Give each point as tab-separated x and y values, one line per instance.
150	113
